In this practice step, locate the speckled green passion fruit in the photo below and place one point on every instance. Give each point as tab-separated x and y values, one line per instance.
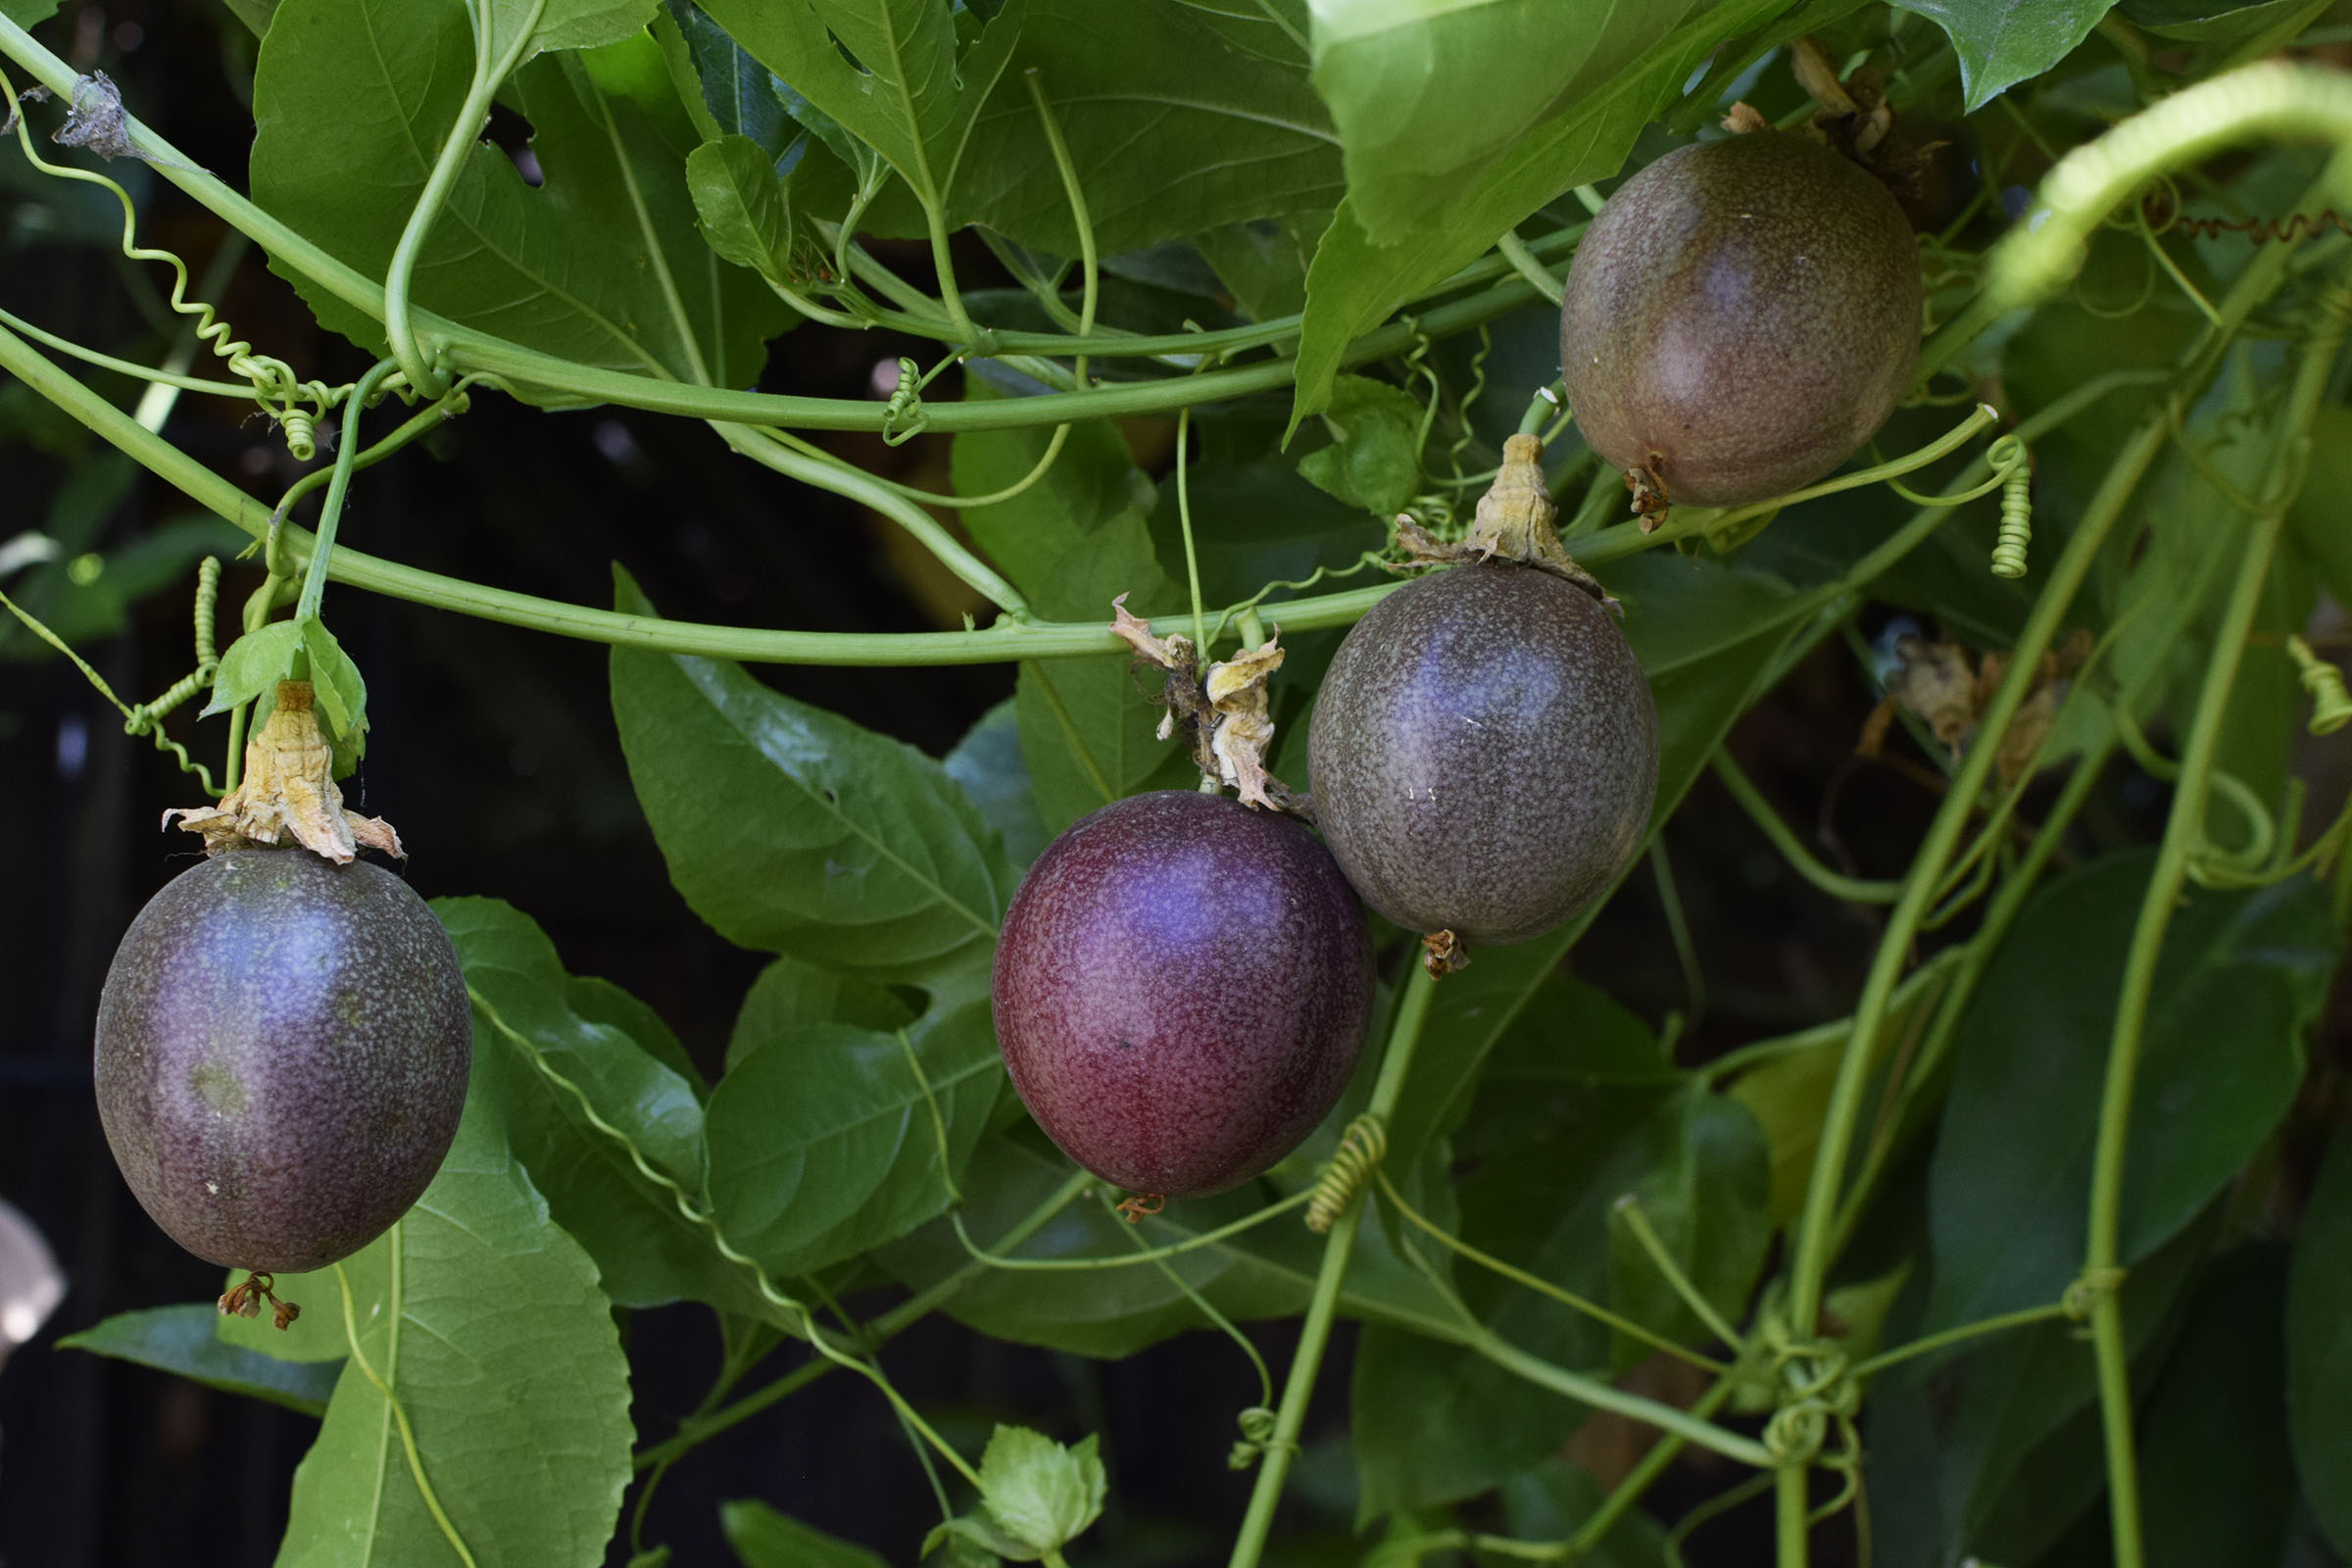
1484	753
1181	988
1741	318
282	1051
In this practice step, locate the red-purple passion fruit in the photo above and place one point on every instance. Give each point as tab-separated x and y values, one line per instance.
1741	318
1181	988
283	1045
1484	753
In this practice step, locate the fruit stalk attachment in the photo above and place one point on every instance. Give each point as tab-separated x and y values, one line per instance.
288	791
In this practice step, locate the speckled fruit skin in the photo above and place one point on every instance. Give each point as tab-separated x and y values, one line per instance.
282	1051
1743	314
1484	753
1181	988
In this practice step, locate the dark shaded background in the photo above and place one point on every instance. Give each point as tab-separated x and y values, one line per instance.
495	754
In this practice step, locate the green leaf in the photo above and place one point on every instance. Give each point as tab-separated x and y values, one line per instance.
2217	1482
647	1250
1092	486
1789	1091
1257	521
564	23
1263	262
2213	21
485	1322
1428	95
745	215
1172	125
737	93
907	95
1089	727
1553	1501
823	1142
600	1000
1374	459
791	996
1041	1492
29	14
2002	42
793	830
253	665
601	263
339	693
2318	1345
1558	1137
988	763
765	1539
1996	1450
1354	282
2240	979
180	1340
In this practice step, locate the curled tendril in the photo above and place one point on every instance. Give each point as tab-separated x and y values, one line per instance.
275	383
2089	1288
1257	1435
208	600
302	435
904	418
2330	704
2009	457
1361	1147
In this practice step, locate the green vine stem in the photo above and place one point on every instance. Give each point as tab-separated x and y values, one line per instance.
2197	365
2183	832
331	513
1811	1249
1314	1333
1802	859
875	1333
795	1315
828	472
1536	1283
489	71
2047	247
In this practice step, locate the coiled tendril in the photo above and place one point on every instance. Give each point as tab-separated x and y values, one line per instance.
2008	455
1361	1147
2331	705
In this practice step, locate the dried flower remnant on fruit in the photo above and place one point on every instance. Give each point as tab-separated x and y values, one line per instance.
245	1301
1443	953
1937	682
1517	522
288	791
1135	1208
1223	710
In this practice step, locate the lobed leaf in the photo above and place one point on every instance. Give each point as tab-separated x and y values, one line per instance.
485	1322
823	1142
529	1025
2002	42
2318	1345
182	1340
2242	977
793	830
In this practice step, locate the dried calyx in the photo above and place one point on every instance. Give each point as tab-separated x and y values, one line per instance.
288	792
1517	523
1223	709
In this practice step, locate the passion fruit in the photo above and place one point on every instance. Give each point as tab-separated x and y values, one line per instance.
1739	318
283	1045
1181	988
1484	753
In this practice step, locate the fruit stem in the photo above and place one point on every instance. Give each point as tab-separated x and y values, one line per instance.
1412	1008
